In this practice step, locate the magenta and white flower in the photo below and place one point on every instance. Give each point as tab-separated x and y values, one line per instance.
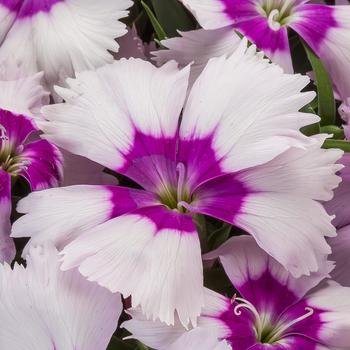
60	37
340	207
44	308
272	310
39	162
237	155
265	22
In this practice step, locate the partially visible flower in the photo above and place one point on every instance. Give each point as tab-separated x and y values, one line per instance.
60	37
44	308
340	207
238	156
273	310
325	28
39	162
198	46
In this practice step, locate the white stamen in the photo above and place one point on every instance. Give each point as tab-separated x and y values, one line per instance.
180	168
3	136
272	20
259	324
187	206
247	305
284	327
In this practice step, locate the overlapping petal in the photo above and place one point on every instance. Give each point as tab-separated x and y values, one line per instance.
22	94
152	254
102	120
61	214
43	308
243	119
198	46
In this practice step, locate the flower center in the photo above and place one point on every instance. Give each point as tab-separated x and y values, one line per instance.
10	159
277	12
177	198
266	332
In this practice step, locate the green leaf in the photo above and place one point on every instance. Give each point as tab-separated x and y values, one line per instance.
338	133
118	344
341	144
312	129
219	236
326	101
173	16
141	346
156	25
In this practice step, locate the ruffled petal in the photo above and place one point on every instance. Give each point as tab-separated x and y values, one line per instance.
274	219
339	205
7	246
22	94
159	335
198	46
245	124
152	254
62	214
43	308
71	36
276	201
217	319
105	120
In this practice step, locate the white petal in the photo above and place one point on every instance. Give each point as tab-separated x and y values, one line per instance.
159	335
251	111
43	308
339	205
72	36
61	214
198	46
22	94
290	228
309	172
209	13
104	107
160	268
